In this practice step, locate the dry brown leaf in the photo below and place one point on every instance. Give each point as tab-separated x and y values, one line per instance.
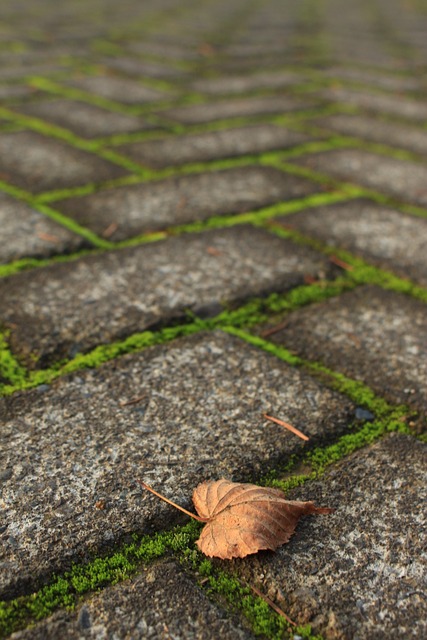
243	518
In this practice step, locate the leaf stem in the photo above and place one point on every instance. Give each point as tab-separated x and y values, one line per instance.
287	426
159	495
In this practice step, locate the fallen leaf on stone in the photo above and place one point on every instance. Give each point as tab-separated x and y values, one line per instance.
243	518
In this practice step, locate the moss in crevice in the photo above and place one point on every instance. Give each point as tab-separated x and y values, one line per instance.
11	370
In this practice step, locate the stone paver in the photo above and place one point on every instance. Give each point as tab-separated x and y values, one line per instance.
39	163
377	130
380	103
199	416
26	233
214	145
240	84
383	236
162	602
122	292
369	334
357	573
235	108
403	179
86	120
119	89
144	68
147	207
365	76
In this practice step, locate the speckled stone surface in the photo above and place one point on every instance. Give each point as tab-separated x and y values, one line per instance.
86	120
213	145
161	602
27	233
37	163
380	103
402	179
235	108
119	89
385	237
372	335
364	76
359	572
241	84
377	130
147	207
122	292
197	415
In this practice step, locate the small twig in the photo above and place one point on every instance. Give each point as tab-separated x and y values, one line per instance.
112	228
275	329
272	605
159	495
341	263
287	426
125	403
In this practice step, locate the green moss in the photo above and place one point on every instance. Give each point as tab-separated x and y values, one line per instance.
10	369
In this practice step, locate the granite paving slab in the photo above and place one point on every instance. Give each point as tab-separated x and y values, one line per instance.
235	108
86	120
173	415
240	84
38	163
366	76
202	147
161	602
152	206
11	91
369	334
383	236
100	298
360	572
140	68
26	233
377	130
119	89
402	179
380	103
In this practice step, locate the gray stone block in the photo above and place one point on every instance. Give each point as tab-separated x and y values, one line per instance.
160	602
119	89
235	108
383	236
38	163
380	103
202	147
369	334
242	83
86	120
377	130
173	416
359	572
391	82
402	179
63	309
26	233
158	205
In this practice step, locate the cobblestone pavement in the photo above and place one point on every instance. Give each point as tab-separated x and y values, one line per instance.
212	210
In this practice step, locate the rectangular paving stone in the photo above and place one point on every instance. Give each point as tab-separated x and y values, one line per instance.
161	602
243	107
173	416
140	68
86	120
100	298
369	334
38	163
26	233
383	236
380	103
242	83
152	206
119	89
214	145
367	76
402	179
359	572
11	91
377	130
